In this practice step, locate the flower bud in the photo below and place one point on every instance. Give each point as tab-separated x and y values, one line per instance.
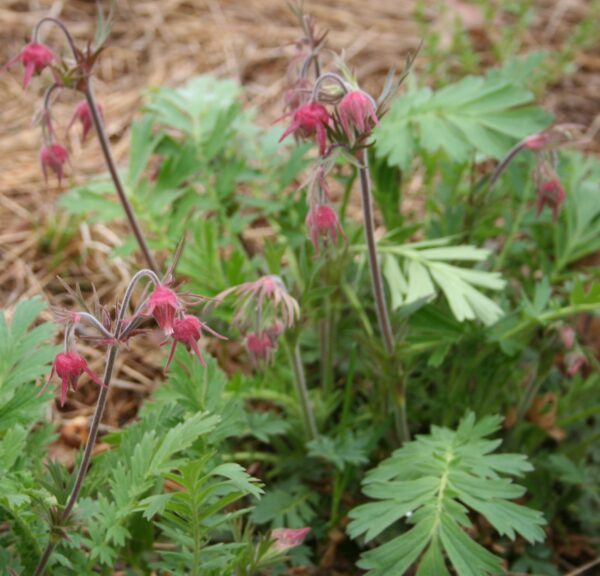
83	115
34	57
187	331
357	114
53	157
550	193
322	222
260	347
286	538
69	366
162	305
309	119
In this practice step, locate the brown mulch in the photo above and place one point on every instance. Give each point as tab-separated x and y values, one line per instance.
166	42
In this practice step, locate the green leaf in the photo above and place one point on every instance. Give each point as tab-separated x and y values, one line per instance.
476	114
432	483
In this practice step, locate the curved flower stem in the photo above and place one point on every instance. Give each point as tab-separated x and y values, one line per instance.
60	25
300	382
397	396
328	76
110	162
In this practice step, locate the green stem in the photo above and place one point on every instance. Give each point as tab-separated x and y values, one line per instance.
301	389
516	225
326	333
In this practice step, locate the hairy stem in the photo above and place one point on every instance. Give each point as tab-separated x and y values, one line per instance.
112	168
383	317
396	393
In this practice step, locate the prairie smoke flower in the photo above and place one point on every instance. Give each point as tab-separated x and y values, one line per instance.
34	57
322	222
53	157
69	366
163	304
286	538
357	114
187	331
260	346
308	119
550	193
83	115
267	291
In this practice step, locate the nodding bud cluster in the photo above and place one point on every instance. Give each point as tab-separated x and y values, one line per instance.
333	110
264	310
166	306
35	58
550	191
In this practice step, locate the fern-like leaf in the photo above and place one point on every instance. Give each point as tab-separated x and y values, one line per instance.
434	483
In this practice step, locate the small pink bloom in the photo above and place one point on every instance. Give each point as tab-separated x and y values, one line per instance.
536	142
187	331
567	336
574	362
308	119
286	538
550	193
69	366
357	113
163	304
83	115
322	222
34	57
53	157
260	346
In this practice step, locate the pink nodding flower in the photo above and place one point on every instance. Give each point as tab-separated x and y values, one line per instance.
567	336
69	366
53	157
550	193
163	304
357	111
260	346
83	115
286	538
322	222
34	57
308	119
187	331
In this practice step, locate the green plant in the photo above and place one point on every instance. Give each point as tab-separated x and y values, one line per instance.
433	482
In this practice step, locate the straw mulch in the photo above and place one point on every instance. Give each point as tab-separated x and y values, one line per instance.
165	42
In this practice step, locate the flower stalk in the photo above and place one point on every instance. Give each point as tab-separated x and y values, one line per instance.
396	393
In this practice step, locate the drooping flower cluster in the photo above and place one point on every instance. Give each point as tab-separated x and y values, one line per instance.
264	310
332	110
36	58
164	305
549	189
